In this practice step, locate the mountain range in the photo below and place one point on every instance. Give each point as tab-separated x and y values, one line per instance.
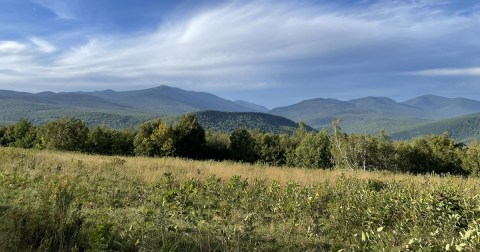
111	108
371	114
421	115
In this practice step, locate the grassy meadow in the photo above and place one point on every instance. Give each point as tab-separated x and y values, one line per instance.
63	201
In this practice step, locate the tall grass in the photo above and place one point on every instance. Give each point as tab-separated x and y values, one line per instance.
56	201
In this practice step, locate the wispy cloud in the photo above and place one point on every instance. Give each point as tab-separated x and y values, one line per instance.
472	71
257	45
61	8
43	45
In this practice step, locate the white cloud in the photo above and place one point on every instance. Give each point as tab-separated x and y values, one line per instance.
11	47
61	8
43	45
473	71
242	45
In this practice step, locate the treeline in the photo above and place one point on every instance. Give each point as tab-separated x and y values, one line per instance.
186	138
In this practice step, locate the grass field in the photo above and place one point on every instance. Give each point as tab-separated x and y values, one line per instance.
57	201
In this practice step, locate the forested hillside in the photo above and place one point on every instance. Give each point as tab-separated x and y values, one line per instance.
113	109
462	129
124	109
230	121
371	114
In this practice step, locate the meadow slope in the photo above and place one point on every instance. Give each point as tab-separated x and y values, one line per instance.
61	201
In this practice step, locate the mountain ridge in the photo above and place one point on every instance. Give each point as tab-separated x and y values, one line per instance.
368	114
371	114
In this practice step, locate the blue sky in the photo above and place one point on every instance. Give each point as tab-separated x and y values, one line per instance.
269	52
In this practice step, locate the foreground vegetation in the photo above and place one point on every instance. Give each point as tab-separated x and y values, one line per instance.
56	201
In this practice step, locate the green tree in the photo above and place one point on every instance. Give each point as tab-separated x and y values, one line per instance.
189	137
314	151
437	154
100	141
471	159
270	150
164	138
3	140
123	142
23	135
69	134
217	145
385	152
144	143
242	146
339	146
290	144
445	154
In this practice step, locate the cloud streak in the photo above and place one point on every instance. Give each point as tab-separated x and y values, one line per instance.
474	71
61	8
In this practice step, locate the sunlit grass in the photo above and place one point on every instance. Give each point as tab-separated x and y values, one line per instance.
150	170
58	201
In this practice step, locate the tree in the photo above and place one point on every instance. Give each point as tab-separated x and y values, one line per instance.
242	146
471	159
339	148
217	145
144	143
23	135
164	138
445	154
100	140
437	154
189	137
314	151
123	142
290	144
270	150
385	152
69	134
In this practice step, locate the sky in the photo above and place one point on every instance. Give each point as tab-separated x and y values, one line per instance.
274	53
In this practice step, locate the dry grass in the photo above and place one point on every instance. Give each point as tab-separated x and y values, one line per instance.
151	170
149	211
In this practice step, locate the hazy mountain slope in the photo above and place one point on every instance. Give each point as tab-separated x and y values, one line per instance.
371	114
12	110
169	100
12	94
464	128
438	107
253	106
229	121
153	103
77	100
129	108
315	109
387	106
368	114
116	109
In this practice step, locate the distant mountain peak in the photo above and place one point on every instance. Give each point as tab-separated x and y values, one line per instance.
46	93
